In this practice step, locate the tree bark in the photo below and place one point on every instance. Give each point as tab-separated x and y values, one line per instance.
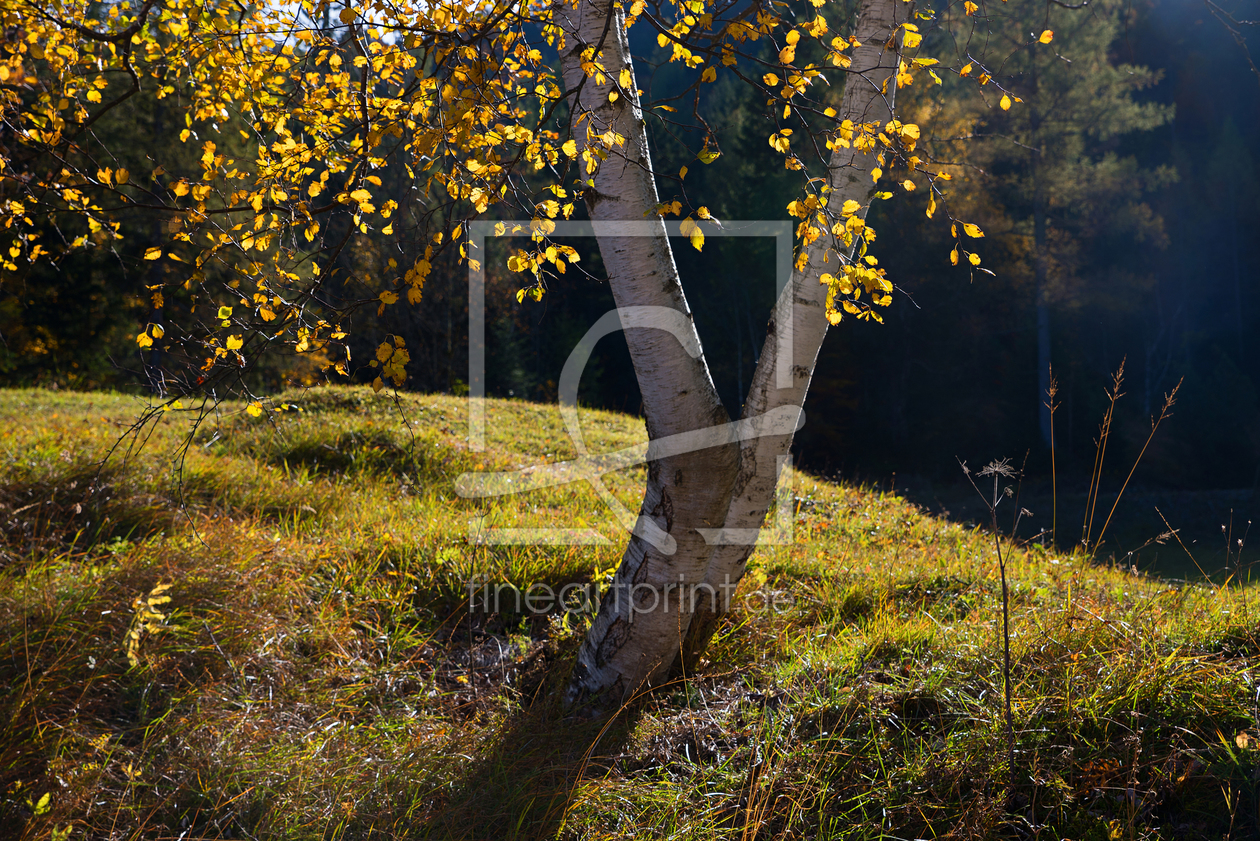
638	629
701	510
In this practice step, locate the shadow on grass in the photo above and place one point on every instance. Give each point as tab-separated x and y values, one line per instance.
522	783
80	507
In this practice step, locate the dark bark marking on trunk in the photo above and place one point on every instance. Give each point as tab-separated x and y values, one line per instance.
747	468
641	572
678	478
618	633
665	508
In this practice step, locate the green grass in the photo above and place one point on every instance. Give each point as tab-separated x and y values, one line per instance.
316	675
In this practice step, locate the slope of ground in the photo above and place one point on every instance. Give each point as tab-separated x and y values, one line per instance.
260	627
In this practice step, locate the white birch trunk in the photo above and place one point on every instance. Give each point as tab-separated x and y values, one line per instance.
631	644
725	487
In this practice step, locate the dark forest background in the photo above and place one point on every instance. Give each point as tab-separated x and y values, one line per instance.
1147	199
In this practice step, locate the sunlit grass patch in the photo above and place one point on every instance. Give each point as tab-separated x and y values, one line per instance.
271	636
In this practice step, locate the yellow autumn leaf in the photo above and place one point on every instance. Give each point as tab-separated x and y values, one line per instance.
225	313
708	156
388	297
1005	103
908	185
779	143
569	147
347	15
157	331
144	340
152	253
972	230
974	258
771	80
953	257
691	230
876	173
1047	36
970	8
850	207
709	74
254	409
235	342
623	78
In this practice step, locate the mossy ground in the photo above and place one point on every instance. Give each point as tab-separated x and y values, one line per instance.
316	673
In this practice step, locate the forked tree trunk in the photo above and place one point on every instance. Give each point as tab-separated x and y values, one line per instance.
701	509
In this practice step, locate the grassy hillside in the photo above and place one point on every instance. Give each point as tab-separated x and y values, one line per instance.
264	634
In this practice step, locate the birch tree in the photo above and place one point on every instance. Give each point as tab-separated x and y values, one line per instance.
295	119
